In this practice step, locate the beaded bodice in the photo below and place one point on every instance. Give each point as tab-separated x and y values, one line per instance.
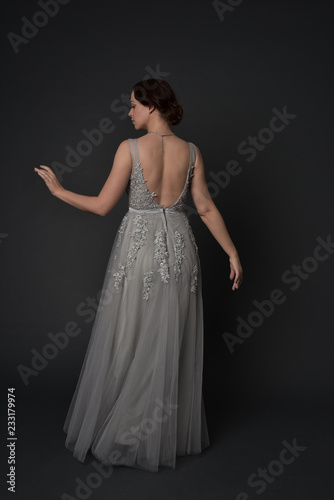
140	197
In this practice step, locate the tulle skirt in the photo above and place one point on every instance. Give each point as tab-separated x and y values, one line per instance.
138	401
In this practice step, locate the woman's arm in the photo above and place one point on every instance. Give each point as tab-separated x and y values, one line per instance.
212	218
110	193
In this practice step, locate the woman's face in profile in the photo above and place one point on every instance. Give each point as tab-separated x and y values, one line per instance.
138	113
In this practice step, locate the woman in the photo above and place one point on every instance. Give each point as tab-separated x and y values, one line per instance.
138	400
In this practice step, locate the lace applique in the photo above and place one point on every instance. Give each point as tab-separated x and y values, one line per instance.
138	237
121	232
161	254
119	276
194	274
147	283
141	197
179	253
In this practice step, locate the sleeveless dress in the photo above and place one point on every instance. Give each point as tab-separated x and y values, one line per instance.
138	401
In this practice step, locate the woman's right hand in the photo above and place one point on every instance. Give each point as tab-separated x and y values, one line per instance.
50	179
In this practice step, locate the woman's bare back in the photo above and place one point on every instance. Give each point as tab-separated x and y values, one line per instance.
165	173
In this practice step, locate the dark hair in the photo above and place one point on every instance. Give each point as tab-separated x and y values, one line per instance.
158	93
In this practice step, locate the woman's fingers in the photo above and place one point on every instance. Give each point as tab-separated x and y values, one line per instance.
237	282
236	274
48	169
43	174
49	178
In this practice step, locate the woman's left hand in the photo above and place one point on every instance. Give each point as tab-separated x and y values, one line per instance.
236	273
50	179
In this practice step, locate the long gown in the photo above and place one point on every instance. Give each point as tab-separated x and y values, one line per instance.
138	401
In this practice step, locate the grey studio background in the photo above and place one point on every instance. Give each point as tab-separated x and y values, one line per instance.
256	82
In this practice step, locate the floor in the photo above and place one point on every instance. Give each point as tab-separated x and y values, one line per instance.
271	453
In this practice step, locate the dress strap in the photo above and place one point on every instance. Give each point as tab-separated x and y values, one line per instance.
134	151
192	153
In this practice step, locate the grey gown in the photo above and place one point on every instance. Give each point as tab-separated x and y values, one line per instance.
138	401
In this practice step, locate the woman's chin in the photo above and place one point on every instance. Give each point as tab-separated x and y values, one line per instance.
138	127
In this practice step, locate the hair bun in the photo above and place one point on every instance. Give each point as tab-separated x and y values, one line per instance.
176	113
158	93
